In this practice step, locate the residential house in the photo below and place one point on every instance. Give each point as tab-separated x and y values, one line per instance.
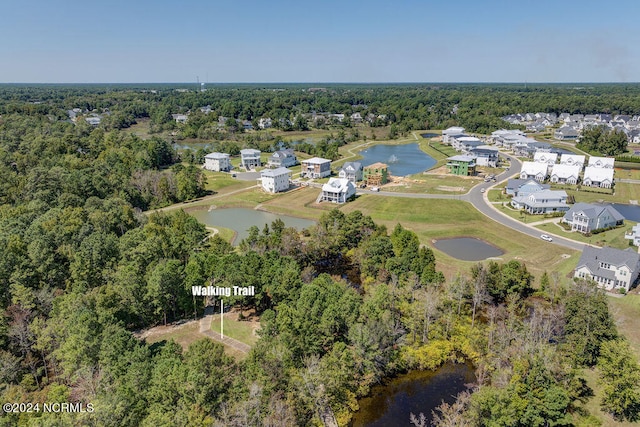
275	180
337	190
542	202
545	157
376	174
524	187
634	235
351	171
218	162
180	118
598	177
565	132
572	159
465	143
462	165
93	121
250	158
452	132
283	158
485	156
587	217
565	174
534	170
498	135
610	268
315	167
264	123
601	162
528	147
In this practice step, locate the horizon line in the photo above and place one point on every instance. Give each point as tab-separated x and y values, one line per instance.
323	83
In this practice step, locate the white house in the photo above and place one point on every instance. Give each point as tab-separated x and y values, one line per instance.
601	162
545	157
598	177
452	132
218	162
275	180
634	235
465	143
565	174
486	156
250	158
180	118
534	170
586	217
542	202
610	268
264	123
351	171
572	159
337	190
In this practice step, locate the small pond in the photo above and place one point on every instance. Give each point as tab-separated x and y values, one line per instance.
629	212
429	135
417	391
241	219
467	248
402	160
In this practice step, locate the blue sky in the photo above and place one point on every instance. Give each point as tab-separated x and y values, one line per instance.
62	41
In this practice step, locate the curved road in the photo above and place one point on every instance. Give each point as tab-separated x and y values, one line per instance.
481	203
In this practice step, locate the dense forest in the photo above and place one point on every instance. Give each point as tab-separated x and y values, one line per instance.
342	305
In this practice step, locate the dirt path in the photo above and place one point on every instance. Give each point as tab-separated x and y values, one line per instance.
205	329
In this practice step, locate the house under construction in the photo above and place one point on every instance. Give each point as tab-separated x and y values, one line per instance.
376	174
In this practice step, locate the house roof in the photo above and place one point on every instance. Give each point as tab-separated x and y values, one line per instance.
287	152
316	161
462	158
272	173
454	130
565	171
249	152
351	166
217	156
592	257
572	159
592	211
377	165
545	157
602	162
534	168
598	174
338	185
519	183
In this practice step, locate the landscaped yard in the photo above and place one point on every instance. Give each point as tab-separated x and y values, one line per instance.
614	238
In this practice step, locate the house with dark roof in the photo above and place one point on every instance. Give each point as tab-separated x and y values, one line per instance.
565	132
587	217
610	268
542	202
351	171
524	187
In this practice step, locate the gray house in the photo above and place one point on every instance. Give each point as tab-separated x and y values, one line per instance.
351	171
610	268
524	187
250	158
542	202
586	217
283	159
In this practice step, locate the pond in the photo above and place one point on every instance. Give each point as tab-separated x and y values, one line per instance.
629	212
467	248
402	160
241	219
429	135
417	391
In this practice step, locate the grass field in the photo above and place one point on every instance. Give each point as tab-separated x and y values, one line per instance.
243	331
614	238
437	219
184	335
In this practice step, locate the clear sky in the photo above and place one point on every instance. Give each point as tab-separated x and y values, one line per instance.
63	41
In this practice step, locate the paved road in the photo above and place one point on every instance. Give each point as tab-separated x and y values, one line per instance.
481	203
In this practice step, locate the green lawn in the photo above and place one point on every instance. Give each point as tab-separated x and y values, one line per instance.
243	331
184	335
614	238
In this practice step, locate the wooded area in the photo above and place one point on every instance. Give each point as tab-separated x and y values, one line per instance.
342	305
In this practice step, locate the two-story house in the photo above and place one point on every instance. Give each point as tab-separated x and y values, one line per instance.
316	167
351	171
218	162
587	217
283	158
610	268
250	158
